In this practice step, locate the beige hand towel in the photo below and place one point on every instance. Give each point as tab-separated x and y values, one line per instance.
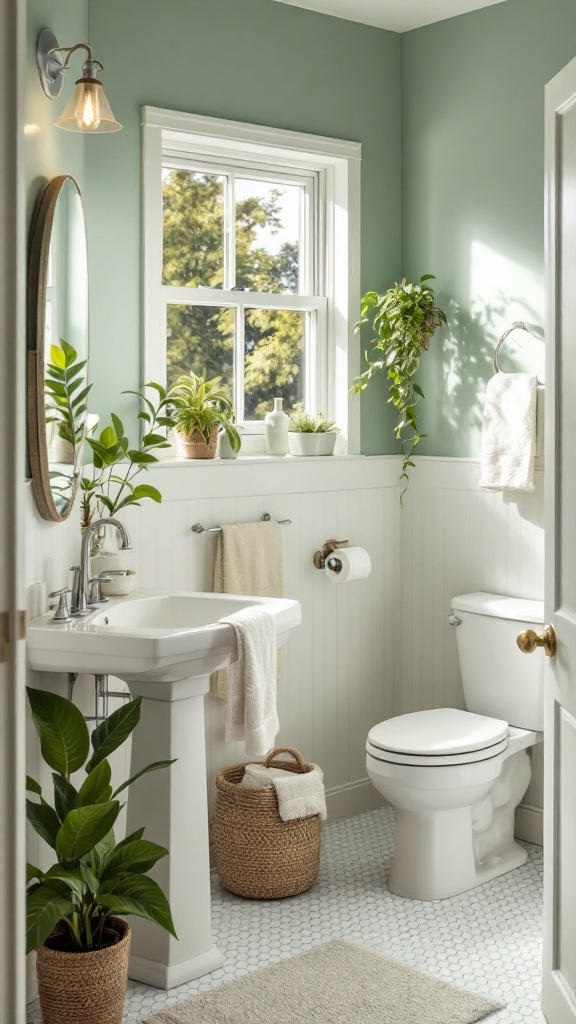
508	446
248	561
251	713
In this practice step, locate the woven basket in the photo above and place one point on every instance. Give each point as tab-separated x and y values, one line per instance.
257	854
84	988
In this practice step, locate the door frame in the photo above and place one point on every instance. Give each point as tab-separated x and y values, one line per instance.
12	449
557	998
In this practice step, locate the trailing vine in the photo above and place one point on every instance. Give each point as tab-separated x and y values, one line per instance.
404	319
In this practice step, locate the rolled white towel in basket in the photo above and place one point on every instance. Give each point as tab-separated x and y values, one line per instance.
299	795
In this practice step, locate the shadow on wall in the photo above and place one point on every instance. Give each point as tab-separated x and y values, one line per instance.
455	379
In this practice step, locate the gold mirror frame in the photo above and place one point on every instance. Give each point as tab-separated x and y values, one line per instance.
36	299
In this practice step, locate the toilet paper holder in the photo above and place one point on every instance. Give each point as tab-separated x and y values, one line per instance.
322	558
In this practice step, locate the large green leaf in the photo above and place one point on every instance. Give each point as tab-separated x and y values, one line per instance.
83	828
64	738
133	858
100	852
64	796
144	771
96	787
33	872
71	876
45	906
32	786
114	731
140	895
44	821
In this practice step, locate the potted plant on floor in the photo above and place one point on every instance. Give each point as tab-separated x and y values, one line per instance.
73	908
199	408
311	435
404	320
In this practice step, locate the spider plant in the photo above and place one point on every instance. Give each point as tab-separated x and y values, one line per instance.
201	406
302	423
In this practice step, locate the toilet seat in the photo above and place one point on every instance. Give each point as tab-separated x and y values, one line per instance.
441	736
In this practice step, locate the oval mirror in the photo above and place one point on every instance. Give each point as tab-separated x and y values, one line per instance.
57	297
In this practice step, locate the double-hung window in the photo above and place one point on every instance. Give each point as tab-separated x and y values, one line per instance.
249	268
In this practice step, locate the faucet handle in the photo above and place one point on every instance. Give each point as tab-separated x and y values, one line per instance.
62	614
95	591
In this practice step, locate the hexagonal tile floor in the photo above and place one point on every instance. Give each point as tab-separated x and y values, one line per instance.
487	940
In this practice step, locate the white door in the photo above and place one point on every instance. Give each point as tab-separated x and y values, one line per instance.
12	420
559	975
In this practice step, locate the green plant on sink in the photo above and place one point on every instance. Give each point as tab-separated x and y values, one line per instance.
116	464
73	907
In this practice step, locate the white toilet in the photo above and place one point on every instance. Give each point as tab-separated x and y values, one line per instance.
456	777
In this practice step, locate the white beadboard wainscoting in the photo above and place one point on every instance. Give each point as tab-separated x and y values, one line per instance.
457	539
338	671
366	650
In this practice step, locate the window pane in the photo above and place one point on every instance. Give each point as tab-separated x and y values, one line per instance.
274	359
268	243
193	229
200	338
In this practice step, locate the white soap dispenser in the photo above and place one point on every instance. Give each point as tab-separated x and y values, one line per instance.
276	429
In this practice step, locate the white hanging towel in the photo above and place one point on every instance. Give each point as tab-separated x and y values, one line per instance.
248	561
251	713
508	446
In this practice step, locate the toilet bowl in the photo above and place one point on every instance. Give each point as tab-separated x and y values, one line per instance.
456	777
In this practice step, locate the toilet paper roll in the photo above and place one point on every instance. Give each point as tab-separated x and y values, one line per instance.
347	564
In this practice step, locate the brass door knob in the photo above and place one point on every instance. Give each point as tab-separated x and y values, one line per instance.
528	641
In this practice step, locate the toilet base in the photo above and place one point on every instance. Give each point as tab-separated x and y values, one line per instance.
449	867
444	852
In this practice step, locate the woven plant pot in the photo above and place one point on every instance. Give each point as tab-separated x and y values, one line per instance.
84	988
195	445
258	855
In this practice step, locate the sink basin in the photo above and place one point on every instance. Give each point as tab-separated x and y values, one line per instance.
154	636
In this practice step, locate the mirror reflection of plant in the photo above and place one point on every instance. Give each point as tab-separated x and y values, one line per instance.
404	319
106	492
302	423
199	405
65	403
74	902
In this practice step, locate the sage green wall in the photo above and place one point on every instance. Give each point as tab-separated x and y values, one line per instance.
473	180
256	61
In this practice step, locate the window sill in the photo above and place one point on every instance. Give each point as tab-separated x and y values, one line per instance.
256	459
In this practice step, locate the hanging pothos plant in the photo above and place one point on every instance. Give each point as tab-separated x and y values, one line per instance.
404	319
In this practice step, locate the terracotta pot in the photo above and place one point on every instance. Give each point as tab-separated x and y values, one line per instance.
195	446
84	988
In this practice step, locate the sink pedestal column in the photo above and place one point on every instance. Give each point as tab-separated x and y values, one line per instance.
172	804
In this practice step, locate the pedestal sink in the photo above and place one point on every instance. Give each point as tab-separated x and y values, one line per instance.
164	645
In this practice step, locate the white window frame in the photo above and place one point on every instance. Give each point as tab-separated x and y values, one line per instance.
171	135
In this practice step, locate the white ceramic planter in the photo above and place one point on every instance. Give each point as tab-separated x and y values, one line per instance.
119	565
312	444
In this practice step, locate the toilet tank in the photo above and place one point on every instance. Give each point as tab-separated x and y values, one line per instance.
498	679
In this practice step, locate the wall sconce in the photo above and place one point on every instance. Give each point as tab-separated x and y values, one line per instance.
87	109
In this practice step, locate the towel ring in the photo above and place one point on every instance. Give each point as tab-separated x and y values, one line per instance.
519	325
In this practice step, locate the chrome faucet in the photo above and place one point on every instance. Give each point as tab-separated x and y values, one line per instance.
80	606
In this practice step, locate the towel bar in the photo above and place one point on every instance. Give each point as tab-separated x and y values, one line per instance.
198	528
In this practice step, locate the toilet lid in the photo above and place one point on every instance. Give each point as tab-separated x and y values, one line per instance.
441	731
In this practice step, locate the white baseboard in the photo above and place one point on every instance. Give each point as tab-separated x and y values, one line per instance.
352	798
529	824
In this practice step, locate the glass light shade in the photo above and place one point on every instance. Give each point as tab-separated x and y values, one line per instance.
88	109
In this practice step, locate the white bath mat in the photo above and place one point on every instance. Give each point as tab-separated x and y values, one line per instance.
332	984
